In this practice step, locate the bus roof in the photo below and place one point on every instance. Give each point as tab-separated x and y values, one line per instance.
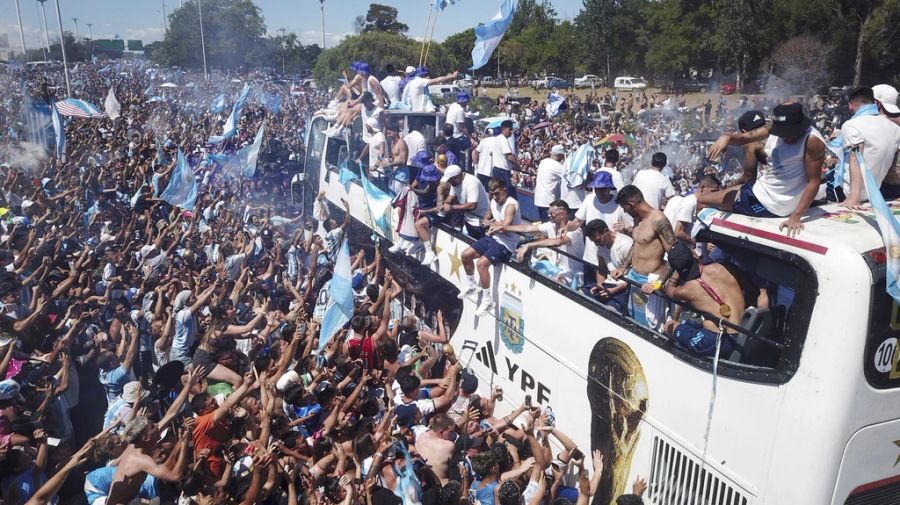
825	227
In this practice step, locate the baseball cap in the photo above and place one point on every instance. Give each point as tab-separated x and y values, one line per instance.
788	120
468	383
373	124
132	392
558	149
451	172
682	260
410	69
358	281
9	389
601	180
887	96
751	120
26	204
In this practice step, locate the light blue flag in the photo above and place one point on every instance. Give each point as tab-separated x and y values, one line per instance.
218	104
555	104
889	227
489	35
182	188
442	4
340	297
230	129
346	175
243	163
271	101
60	131
836	145
378	202
578	166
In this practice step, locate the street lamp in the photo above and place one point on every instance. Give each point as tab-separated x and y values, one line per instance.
21	32
91	29
322	6
75	20
202	40
46	31
62	46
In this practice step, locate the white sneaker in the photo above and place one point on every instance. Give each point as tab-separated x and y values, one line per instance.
334	133
469	292
429	258
485	308
414	248
399	245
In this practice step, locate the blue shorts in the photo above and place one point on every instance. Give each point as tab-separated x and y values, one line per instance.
747	203
494	251
694	337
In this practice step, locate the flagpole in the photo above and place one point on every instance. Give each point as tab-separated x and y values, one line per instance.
21	32
427	23
430	36
62	46
202	40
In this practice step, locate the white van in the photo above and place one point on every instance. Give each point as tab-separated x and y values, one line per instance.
444	91
630	83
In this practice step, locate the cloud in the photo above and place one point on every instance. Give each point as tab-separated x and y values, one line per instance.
315	37
33	38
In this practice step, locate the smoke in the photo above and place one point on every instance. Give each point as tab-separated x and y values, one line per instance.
27	156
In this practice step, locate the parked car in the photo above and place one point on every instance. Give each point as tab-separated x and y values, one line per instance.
464	83
490	82
558	83
728	88
445	91
690	86
588	81
630	83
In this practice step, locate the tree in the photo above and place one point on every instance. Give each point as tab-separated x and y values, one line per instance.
234	31
740	26
802	64
382	18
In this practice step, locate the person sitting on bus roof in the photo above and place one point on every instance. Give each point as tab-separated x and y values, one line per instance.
467	197
612	249
363	86
796	151
720	290
571	243
489	251
646	264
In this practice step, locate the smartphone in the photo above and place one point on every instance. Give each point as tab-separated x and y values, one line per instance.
576	454
52	441
528	401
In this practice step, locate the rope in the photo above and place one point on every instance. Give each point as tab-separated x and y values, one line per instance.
712	396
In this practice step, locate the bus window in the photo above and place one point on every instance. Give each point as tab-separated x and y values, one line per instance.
316	144
425	125
882	350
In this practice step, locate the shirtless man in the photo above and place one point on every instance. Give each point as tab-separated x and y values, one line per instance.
137	461
653	237
720	289
435	446
399	150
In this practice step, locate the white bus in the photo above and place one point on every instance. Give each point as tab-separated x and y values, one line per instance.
806	412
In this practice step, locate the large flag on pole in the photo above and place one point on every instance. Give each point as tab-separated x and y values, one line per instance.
60	131
182	188
578	166
340	297
488	35
78	108
111	105
378	203
555	104
231	124
442	4
218	105
243	163
889	227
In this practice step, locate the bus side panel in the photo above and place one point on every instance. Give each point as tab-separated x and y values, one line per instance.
870	468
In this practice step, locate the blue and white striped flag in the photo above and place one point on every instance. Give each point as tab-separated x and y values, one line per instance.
555	104
578	166
59	130
340	297
218	104
489	35
231	124
379	204
243	163
37	120
442	4
182	188
889	227
78	108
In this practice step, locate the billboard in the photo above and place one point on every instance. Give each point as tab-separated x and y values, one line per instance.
135	45
109	44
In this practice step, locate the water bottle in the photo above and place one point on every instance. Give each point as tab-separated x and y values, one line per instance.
578	281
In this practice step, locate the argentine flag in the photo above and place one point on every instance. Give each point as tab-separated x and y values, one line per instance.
442	4
578	166
60	131
231	124
244	161
218	105
340	297
555	104
182	188
488	35
889	227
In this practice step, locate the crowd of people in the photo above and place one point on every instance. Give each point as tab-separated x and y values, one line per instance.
165	354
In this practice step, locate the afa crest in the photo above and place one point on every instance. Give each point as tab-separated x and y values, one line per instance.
511	324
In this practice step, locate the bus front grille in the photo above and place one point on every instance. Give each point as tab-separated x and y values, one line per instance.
678	478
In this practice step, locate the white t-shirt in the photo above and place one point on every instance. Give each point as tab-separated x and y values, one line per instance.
880	138
499	149
484	156
471	190
614	256
568	265
391	87
415	142
376	142
616	177
546	187
455	115
681	208
375	112
417	93
655	186
610	212
507	239
779	188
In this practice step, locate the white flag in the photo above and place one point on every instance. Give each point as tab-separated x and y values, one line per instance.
111	105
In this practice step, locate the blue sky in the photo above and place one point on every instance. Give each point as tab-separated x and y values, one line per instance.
143	19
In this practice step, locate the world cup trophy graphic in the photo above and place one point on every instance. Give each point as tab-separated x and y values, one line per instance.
617	392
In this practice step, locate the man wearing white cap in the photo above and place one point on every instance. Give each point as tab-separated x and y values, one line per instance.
886	99
549	176
871	133
375	147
